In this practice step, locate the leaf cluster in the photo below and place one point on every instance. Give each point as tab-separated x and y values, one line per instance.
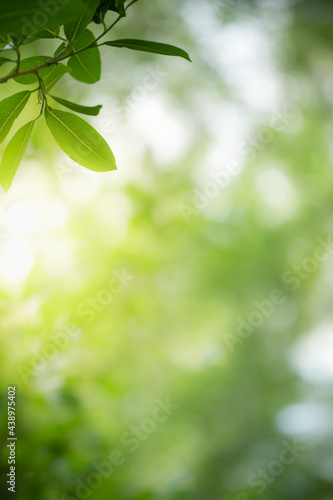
24	22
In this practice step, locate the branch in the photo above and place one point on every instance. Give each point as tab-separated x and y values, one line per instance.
57	59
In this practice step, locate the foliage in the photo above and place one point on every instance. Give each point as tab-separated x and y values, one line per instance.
25	22
66	231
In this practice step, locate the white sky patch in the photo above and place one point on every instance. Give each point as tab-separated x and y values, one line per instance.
54	215
277	193
312	356
23	218
162	129
58	257
115	210
81	184
17	260
306	419
243	54
229	130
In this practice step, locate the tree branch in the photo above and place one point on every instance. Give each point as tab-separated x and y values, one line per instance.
57	59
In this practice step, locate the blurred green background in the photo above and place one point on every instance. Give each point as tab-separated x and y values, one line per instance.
123	290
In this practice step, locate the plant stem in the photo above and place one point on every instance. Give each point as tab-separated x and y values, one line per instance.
42	91
18	60
61	57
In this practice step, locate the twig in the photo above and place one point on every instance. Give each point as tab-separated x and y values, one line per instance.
60	56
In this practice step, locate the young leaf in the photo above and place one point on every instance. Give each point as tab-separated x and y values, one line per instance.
85	66
80	141
146	46
74	30
29	63
10	108
85	110
13	155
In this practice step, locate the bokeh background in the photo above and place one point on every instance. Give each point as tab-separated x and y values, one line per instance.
146	273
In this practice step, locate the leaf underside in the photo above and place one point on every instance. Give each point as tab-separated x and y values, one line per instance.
10	108
86	110
80	141
85	66
73	30
147	46
13	155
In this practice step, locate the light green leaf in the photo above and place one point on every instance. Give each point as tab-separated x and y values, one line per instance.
29	63
61	49
85	66
80	141
10	108
30	16
86	110
56	72
13	155
74	30
146	46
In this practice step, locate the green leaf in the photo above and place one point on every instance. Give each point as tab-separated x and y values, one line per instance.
145	46
101	11
86	110
61	48
10	108
17	40
74	30
29	63
86	66
105	5
80	141
23	17
56	72
118	6
4	60
13	155
51	32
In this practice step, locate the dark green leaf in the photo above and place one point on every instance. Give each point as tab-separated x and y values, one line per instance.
86	110
85	66
17	40
80	141
51	32
23	17
29	63
13	155
10	108
73	30
146	46
118	6
101	11
4	60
